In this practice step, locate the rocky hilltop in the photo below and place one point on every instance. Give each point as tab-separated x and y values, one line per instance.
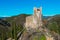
11	26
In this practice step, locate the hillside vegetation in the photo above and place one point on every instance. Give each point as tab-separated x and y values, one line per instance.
17	24
54	24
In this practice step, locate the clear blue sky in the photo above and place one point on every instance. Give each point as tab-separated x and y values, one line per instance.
15	7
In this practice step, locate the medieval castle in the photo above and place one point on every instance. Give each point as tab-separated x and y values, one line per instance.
34	21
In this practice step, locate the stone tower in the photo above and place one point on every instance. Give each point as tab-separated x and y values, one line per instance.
34	21
38	15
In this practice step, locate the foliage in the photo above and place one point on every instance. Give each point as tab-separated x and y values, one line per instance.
41	37
54	24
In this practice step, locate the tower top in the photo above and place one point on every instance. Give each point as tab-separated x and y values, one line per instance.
37	9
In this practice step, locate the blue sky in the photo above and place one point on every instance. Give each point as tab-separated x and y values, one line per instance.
15	7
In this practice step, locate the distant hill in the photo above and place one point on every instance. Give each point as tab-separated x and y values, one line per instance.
14	21
54	23
3	17
46	17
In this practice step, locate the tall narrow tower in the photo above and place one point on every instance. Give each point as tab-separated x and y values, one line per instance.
34	21
38	15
